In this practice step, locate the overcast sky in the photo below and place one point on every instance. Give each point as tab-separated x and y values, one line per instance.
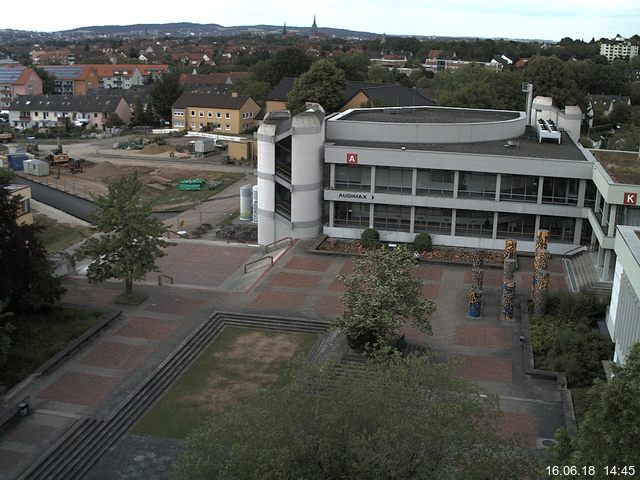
549	19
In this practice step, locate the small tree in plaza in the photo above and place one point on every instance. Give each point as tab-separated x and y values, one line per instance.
129	239
380	296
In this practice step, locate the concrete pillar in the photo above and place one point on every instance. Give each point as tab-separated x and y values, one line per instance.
507	301
414	182
509	269
541	260
542	239
541	292
540	190
372	189
332	176
577	232
478	258
453	221
371	213
612	220
498	183
494	232
412	219
332	213
475	304
511	250
582	192
606	265
456	180
476	279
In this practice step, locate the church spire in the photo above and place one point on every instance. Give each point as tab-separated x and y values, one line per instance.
314	27
284	30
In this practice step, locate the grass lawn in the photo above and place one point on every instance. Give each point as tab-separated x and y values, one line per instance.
58	236
237	364
38	337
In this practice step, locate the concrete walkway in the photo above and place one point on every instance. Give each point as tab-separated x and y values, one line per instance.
208	277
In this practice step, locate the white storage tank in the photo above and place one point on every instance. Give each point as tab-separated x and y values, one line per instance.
245	202
254	204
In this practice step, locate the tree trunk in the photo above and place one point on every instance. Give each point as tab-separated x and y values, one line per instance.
128	285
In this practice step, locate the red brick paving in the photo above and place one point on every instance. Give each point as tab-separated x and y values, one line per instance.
430	291
316	264
175	304
485	369
148	328
347	268
429	272
295	280
330	305
482	336
490	278
283	301
116	355
80	388
337	285
521	424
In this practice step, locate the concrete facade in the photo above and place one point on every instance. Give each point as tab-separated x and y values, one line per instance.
469	177
623	318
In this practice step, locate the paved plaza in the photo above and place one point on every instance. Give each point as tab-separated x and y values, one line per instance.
209	277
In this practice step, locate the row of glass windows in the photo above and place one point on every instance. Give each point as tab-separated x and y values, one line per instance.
518	188
468	223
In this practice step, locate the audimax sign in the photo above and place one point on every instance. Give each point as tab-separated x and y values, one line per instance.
355	196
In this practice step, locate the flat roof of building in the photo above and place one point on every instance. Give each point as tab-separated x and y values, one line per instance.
525	146
428	115
622	167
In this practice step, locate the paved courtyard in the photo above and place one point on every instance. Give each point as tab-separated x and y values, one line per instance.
210	277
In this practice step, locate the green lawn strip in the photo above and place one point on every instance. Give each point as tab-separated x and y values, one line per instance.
225	372
40	336
58	236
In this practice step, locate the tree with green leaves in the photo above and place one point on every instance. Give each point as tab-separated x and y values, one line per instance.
114	120
48	80
393	418
324	83
355	67
608	434
128	238
551	78
252	88
381	296
138	117
27	283
163	93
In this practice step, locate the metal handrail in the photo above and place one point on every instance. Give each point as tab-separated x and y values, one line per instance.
266	247
268	257
165	276
575	250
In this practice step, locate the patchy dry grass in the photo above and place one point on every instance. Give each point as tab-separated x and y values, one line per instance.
237	364
623	167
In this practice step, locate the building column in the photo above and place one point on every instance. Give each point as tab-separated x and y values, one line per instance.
498	182
606	265
332	178
456	181
414	183
577	231
453	222
605	215
494	233
540	187
412	220
613	209
600	258
332	212
582	192
372	189
371	212
536	226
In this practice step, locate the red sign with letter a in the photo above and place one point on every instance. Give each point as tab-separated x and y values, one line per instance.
630	198
352	158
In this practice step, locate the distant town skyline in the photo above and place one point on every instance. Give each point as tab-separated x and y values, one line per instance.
516	19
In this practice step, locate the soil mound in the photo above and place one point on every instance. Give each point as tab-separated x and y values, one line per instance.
155	149
102	171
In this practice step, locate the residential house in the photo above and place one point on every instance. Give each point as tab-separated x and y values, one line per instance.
126	76
225	114
24	214
603	105
32	111
212	78
390	61
356	95
440	60
73	79
16	81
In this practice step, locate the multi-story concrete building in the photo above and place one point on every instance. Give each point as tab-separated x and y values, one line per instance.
623	318
216	113
17	80
619	47
468	177
24	215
